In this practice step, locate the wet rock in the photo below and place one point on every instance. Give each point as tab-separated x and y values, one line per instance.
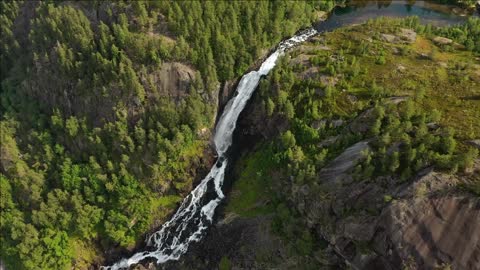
241	240
220	161
226	92
148	266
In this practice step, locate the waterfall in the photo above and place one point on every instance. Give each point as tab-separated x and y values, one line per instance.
196	212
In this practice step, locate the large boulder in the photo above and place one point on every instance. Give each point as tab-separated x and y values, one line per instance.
442	41
389	38
407	35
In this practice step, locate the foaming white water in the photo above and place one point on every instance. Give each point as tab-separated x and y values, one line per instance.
246	86
196	212
186	226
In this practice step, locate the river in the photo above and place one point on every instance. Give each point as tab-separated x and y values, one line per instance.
192	219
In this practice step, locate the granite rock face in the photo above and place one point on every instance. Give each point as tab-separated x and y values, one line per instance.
426	224
435	231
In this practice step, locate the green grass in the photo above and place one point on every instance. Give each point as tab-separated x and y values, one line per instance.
168	201
252	192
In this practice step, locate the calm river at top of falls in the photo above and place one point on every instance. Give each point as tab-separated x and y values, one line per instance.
196	212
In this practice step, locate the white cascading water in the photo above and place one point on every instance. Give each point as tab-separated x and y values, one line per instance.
196	212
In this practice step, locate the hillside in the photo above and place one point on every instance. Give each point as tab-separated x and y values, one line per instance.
362	154
106	115
359	150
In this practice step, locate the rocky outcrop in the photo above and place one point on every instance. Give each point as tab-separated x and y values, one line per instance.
388	38
434	232
174	80
405	36
422	225
337	171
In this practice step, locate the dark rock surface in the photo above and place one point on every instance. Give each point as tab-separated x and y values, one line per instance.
247	242
427	224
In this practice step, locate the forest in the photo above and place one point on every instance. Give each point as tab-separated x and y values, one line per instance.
93	155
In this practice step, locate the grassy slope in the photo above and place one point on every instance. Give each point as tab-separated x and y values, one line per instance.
454	93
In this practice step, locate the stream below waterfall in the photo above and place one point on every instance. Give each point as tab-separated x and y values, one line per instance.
195	214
